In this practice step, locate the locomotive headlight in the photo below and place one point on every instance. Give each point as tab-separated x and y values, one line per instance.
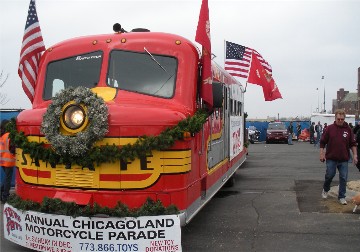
74	117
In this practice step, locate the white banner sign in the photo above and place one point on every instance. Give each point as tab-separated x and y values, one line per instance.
236	136
59	233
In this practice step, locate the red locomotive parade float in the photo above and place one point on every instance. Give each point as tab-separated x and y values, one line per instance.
119	118
148	83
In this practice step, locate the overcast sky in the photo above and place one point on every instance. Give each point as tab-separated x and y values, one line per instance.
302	40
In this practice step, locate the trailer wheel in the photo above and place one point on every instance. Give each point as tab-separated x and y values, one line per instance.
230	182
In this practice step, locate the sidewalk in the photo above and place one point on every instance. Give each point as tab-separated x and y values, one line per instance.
352	189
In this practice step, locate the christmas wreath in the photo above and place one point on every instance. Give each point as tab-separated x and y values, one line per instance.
75	145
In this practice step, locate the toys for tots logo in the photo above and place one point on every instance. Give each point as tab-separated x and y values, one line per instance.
12	220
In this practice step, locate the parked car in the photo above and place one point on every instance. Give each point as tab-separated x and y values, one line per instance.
276	132
253	134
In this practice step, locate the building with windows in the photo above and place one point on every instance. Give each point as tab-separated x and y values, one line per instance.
350	102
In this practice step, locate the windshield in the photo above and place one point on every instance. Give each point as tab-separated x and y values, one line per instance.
142	73
277	126
80	70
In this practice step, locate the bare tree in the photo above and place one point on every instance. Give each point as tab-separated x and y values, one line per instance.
3	79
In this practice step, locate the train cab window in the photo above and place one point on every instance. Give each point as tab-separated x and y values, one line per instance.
226	91
80	70
236	108
144	73
240	108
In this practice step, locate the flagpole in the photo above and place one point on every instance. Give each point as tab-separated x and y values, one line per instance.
224	53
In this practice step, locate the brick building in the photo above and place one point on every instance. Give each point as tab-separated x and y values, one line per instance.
350	102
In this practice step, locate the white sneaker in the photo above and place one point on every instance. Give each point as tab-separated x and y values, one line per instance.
324	194
342	201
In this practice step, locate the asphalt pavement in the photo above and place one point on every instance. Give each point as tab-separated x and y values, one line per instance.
275	205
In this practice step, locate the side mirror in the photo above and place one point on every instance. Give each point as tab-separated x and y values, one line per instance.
218	94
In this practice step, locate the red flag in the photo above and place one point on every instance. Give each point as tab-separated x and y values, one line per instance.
271	92
259	76
203	38
30	54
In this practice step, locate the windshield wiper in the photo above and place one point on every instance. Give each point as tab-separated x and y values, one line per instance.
152	57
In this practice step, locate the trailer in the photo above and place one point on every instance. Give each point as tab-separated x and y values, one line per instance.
329	118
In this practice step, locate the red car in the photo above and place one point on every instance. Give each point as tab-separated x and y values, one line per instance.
276	132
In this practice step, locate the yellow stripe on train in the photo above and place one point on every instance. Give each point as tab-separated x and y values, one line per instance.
140	173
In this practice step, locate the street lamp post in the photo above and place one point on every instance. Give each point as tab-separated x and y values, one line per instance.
323	79
317	109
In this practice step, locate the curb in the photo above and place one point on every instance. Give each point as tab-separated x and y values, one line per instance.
334	192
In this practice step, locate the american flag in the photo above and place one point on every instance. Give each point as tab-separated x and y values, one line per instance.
238	60
30	54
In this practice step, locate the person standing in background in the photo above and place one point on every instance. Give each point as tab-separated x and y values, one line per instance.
357	138
356	128
318	129
298	129
325	126
312	133
290	133
7	160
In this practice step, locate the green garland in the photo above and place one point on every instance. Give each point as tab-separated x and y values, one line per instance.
57	206
108	153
